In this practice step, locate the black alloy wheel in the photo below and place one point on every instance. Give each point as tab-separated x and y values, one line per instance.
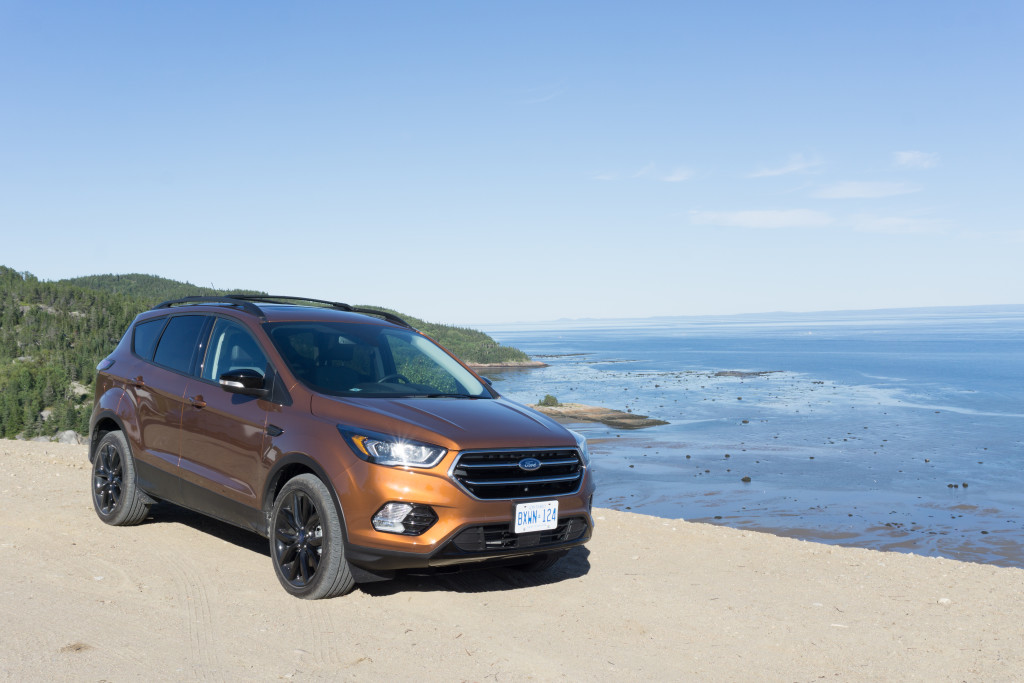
107	474
299	539
306	542
115	492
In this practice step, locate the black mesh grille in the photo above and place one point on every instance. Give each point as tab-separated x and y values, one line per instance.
419	519
480	539
498	475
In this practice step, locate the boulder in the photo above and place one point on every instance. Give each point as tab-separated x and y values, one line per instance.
69	436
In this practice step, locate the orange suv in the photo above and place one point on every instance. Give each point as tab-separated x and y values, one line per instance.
355	444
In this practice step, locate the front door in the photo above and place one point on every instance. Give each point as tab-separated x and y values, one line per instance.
223	434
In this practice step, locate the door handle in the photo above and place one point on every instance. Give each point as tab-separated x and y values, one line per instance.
197	401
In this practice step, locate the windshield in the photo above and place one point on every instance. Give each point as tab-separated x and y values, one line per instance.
351	359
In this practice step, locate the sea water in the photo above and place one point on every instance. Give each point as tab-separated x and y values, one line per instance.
898	430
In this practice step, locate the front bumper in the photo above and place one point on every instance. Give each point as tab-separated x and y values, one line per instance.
478	544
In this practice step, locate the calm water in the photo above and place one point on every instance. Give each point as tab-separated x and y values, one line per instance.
892	430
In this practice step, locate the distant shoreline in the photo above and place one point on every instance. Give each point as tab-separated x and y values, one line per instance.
508	364
921	314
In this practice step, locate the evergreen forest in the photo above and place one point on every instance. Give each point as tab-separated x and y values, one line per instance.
53	333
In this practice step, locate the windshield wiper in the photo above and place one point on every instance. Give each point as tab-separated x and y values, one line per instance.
450	396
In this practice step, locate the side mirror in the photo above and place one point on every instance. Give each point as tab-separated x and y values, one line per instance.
244	381
488	380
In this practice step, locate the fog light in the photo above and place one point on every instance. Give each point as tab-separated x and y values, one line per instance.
408	519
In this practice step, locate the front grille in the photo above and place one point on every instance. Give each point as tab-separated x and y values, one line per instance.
494	475
480	539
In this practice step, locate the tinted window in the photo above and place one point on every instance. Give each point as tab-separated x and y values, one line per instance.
178	342
232	348
145	336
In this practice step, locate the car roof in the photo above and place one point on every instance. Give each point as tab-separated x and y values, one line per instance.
288	308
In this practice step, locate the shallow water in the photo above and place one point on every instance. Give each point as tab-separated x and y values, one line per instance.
891	430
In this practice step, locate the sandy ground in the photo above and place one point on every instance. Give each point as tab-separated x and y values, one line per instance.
183	598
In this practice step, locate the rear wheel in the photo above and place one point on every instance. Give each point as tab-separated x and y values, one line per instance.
306	542
115	491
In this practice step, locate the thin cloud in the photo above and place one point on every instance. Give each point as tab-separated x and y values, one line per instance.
895	225
678	175
543	94
865	190
650	172
763	220
645	171
915	159
797	163
1011	236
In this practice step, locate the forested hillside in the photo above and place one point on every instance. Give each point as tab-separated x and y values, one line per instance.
472	346
150	288
52	335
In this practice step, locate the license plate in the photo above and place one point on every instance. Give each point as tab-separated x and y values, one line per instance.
536	516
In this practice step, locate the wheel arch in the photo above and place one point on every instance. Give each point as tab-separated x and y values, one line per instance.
292	465
104	422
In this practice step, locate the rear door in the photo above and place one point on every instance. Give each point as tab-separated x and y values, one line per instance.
157	384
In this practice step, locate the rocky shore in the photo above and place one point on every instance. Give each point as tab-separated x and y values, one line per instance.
578	412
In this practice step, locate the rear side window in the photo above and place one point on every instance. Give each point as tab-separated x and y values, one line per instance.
178	342
145	336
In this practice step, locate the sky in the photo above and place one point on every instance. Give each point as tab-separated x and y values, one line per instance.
485	162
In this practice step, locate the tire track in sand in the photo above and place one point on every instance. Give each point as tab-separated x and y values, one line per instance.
203	662
319	615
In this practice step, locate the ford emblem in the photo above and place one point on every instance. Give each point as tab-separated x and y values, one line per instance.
529	464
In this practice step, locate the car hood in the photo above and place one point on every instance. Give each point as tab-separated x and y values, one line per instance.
455	423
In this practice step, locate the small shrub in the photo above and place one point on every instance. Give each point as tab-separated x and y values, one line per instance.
548	400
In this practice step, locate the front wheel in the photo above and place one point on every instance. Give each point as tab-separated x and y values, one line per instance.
306	542
115	490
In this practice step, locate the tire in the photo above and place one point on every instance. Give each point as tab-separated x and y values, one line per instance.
115	491
539	563
306	545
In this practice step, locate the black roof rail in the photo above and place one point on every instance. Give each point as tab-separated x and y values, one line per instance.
247	302
226	300
272	298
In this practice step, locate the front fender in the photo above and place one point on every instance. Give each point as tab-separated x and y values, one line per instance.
291	462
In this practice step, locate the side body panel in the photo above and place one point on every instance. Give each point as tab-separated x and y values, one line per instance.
222	462
154	398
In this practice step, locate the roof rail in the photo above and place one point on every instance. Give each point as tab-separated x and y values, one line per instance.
275	298
226	300
248	303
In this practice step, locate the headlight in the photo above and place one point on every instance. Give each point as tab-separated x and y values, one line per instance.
393	451
581	441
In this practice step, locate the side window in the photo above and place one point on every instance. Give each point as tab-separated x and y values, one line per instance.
145	336
178	342
231	348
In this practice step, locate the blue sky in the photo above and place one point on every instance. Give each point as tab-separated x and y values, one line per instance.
481	162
